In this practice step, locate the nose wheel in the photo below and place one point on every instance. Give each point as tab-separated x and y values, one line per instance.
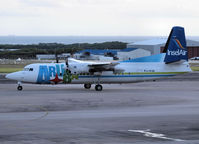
98	87
19	88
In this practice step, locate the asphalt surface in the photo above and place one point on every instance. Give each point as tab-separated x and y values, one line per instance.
161	112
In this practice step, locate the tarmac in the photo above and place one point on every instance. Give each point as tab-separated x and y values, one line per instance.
154	112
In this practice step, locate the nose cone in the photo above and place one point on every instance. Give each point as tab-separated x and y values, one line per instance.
14	76
9	76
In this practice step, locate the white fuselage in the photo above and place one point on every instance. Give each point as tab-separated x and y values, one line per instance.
132	72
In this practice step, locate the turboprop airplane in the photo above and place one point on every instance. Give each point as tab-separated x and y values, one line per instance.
173	61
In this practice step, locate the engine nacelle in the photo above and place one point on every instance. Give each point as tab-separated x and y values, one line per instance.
77	68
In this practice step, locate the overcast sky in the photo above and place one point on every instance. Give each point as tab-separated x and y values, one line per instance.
97	17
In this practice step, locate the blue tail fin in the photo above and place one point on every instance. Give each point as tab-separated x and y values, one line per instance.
175	47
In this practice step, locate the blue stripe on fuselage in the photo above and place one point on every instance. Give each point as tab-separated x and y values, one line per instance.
118	76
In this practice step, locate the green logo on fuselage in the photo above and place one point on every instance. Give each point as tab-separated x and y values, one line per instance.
68	77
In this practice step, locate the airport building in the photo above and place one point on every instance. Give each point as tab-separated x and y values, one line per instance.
51	56
107	54
156	46
45	56
81	56
132	53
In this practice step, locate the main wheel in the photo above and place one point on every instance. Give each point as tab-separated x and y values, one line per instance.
19	88
98	87
87	86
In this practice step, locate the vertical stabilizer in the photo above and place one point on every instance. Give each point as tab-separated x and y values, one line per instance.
175	48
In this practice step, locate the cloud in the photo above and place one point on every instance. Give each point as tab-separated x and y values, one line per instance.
97	17
39	3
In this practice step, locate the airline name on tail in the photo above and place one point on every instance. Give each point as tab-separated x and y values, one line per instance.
177	53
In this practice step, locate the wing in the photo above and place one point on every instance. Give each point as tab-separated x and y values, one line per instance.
100	67
78	66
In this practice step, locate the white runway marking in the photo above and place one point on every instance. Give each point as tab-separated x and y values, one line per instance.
147	133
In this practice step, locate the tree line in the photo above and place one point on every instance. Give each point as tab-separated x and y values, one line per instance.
30	51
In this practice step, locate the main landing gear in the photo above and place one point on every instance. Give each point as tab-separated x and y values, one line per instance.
87	86
98	87
19	87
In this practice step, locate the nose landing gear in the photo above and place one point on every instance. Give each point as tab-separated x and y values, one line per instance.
19	88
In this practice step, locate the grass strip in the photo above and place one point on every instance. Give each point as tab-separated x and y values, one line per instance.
195	68
9	70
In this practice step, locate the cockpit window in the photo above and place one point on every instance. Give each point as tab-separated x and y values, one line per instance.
31	69
28	69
